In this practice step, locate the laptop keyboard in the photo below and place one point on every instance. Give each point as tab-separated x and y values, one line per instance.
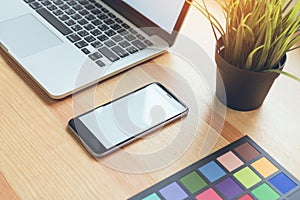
92	28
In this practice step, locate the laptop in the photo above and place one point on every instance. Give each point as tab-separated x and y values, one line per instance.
68	45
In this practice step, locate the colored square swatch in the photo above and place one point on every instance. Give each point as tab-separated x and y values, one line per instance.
265	192
230	161
209	194
229	188
264	167
153	196
247	177
247	151
193	182
246	197
173	192
283	183
212	171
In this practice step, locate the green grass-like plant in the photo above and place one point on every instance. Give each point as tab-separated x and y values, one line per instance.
257	33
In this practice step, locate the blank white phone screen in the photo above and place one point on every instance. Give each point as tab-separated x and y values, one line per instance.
133	114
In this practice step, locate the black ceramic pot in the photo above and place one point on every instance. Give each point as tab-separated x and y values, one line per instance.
240	89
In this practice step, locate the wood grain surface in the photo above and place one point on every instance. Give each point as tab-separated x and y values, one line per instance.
40	159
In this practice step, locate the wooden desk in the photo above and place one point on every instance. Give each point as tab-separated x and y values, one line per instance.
40	159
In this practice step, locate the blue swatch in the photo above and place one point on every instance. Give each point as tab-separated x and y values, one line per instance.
173	192
212	171
283	183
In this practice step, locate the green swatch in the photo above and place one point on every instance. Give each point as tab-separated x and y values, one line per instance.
153	196
193	182
247	177
265	192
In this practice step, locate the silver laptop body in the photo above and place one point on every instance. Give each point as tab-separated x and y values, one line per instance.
56	63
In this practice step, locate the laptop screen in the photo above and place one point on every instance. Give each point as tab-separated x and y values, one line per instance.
164	13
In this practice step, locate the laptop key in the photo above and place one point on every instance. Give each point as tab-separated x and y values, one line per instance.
139	44
64	7
83	33
89	27
111	15
126	26
76	28
73	37
35	5
95	56
96	11
86	51
83	2
116	27
89	7
110	33
103	27
76	16
29	1
81	44
64	17
97	44
70	11
78	8
70	22
89	39
95	32
132	49
96	22
129	37
98	5
46	3
109	43
100	63
105	10
122	32
83	12
124	44
55	22
102	38
102	16
90	17
72	3
109	21
121	52
117	38
118	20
109	54
82	22
58	12
58	2
52	7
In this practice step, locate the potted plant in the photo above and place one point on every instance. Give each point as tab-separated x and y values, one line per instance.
251	47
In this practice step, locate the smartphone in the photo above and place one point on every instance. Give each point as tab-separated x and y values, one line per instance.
121	121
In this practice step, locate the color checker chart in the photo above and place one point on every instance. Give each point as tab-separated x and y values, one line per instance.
242	171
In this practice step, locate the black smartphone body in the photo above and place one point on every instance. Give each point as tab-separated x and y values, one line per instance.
119	122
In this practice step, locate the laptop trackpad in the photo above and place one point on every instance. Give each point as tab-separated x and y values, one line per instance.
26	35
